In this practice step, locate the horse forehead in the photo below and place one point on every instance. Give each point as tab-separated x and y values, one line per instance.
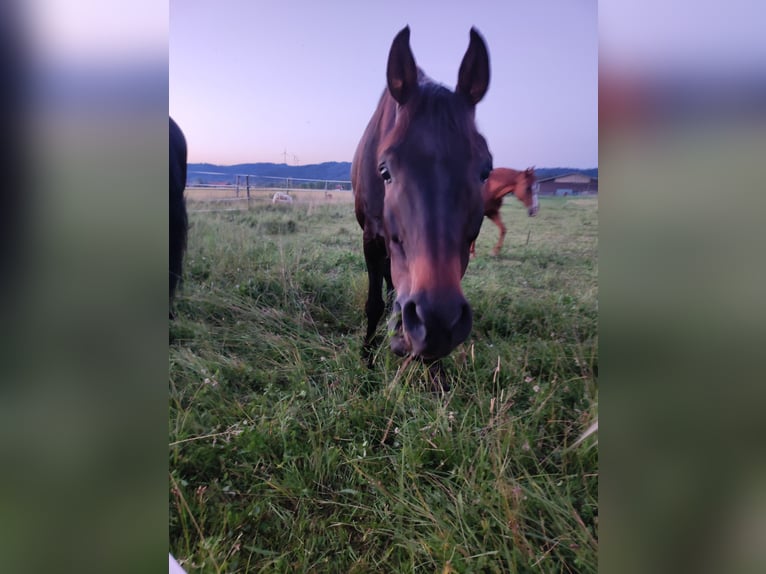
436	124
423	144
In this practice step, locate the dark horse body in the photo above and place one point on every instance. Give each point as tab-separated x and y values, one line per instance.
178	219
417	177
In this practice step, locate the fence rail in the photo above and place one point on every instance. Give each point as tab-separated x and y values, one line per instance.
248	180
230	198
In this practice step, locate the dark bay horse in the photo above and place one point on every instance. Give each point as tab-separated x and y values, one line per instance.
501	182
178	219
417	177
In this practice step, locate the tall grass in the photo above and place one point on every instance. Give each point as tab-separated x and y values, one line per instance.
288	455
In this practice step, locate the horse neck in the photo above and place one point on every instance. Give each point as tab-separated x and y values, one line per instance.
507	187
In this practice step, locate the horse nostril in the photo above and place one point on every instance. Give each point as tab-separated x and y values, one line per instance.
461	327
413	322
465	313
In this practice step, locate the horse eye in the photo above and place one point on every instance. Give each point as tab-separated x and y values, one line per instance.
485	175
384	173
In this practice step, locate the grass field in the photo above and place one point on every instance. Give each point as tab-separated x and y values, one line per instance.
205	199
288	455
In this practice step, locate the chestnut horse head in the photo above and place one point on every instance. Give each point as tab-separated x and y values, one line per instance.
417	177
503	181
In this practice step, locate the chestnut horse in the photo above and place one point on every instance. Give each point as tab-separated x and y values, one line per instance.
501	182
178	219
417	177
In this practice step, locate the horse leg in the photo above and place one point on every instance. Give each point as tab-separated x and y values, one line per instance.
499	222
375	258
389	281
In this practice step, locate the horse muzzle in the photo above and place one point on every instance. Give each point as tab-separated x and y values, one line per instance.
534	208
430	326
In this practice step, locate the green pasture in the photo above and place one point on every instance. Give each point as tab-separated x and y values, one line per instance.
287	454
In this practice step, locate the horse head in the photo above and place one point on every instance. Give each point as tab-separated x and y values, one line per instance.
433	163
527	193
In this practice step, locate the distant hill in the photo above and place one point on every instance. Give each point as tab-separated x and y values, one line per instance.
262	173
546	172
331	170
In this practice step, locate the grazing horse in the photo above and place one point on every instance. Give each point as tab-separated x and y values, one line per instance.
417	178
281	197
179	222
501	182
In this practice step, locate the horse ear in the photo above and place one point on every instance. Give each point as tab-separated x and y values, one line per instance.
473	77
402	73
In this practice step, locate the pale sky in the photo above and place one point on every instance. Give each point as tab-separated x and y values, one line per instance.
251	79
684	36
